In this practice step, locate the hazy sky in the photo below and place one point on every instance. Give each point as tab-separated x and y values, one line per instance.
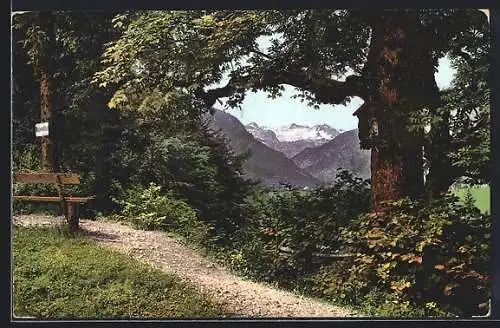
285	110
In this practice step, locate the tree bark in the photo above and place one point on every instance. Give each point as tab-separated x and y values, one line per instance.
48	154
403	73
395	174
48	160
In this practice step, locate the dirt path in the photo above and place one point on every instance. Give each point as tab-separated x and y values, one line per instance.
242	297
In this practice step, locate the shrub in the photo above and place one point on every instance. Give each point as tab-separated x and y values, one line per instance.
286	227
201	170
149	209
25	158
337	284
427	253
333	283
382	304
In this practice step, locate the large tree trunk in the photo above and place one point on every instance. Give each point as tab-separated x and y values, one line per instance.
395	174
401	65
48	154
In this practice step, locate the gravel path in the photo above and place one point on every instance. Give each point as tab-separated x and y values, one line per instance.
241	297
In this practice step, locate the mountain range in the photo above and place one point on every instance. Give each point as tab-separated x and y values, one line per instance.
264	163
301	155
343	151
292	139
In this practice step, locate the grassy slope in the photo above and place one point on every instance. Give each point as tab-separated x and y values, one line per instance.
60	276
481	194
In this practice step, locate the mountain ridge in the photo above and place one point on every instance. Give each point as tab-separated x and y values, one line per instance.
293	138
343	151
264	163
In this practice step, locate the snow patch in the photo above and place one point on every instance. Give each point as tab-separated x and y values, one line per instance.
296	132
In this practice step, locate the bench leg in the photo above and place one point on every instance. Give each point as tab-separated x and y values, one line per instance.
63	208
72	215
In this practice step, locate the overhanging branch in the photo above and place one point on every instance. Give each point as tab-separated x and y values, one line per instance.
325	90
260	53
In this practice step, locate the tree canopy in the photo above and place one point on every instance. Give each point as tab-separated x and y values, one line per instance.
185	61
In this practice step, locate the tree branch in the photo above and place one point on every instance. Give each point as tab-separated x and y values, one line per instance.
262	54
465	56
325	90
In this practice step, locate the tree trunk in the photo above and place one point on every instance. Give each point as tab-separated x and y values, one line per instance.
402	70
45	67
387	172
395	174
48	160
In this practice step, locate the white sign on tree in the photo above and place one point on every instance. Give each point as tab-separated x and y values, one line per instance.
42	129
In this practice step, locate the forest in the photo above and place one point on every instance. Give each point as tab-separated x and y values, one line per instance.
127	93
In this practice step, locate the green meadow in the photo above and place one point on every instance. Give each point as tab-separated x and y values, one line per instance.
481	195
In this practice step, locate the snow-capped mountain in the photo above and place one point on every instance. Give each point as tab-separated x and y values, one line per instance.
264	135
294	138
343	152
318	149
295	132
264	164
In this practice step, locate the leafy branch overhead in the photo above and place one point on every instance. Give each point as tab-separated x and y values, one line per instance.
215	54
192	52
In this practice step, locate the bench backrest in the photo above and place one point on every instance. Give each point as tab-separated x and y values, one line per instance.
59	179
56	178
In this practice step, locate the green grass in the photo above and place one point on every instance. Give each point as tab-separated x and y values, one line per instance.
57	275
481	194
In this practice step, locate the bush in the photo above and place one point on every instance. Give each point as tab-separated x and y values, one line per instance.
151	210
428	253
382	304
201	170
331	282
337	284
25	158
286	227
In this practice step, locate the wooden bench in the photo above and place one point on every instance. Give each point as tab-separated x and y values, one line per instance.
70	204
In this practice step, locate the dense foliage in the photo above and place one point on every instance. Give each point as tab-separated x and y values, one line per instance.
287	228
436	255
150	210
468	101
200	170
